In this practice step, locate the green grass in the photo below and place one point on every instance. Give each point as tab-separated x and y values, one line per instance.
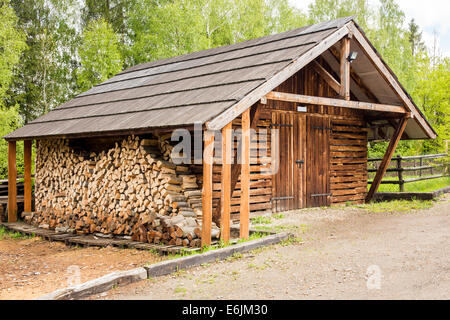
6	234
418	186
397	205
261	220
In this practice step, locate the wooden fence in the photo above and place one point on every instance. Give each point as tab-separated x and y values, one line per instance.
414	164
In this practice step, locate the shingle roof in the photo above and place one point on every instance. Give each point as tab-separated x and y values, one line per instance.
181	90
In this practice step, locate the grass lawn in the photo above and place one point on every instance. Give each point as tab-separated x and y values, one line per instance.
418	186
396	205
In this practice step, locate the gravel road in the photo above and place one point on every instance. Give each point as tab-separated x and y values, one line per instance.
341	253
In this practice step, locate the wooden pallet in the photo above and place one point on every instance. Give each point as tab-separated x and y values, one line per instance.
93	241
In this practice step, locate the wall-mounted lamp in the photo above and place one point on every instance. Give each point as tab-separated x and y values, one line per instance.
352	56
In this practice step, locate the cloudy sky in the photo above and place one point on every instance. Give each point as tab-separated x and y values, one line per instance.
430	15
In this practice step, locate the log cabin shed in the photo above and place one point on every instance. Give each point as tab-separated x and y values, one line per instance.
307	83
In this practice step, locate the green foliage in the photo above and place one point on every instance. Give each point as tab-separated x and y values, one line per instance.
12	44
9	121
99	53
415	38
168	28
432	95
45	76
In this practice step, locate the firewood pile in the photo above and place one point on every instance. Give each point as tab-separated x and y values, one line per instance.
132	190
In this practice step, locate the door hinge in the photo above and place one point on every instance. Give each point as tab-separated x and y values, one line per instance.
321	194
322	128
281	198
281	125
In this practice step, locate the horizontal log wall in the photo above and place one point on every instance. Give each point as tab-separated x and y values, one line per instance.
348	161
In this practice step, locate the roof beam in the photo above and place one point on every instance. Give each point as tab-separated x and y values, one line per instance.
345	68
234	111
329	79
391	80
289	97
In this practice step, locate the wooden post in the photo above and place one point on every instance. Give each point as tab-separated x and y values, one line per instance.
12	186
401	184
387	158
245	176
420	164
255	113
207	191
225	195
27	175
345	69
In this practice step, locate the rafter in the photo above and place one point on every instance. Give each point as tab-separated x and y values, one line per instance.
329	79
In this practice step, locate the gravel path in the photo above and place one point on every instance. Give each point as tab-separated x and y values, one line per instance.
345	253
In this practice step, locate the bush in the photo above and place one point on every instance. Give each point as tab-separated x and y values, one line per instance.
9	121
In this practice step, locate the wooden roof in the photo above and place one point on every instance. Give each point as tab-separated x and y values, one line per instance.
201	87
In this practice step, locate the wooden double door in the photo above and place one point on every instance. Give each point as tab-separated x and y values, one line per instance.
302	179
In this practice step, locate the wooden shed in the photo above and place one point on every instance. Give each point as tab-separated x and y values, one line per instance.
324	88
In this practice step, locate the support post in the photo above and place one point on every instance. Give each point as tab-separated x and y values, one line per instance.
401	182
245	176
420	164
345	68
225	195
387	158
207	193
12	186
27	175
255	113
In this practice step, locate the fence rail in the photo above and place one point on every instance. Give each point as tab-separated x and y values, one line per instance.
400	169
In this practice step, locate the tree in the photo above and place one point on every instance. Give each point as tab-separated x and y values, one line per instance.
432	95
44	77
168	28
323	10
99	54
12	44
415	38
9	121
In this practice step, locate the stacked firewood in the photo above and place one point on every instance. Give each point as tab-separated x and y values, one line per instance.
165	146
132	190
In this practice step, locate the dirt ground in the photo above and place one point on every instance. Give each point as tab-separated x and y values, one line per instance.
30	268
346	253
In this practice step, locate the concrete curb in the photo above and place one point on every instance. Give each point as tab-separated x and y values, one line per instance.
170	266
386	196
98	285
110	280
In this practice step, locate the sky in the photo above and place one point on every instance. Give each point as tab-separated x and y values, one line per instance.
430	15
